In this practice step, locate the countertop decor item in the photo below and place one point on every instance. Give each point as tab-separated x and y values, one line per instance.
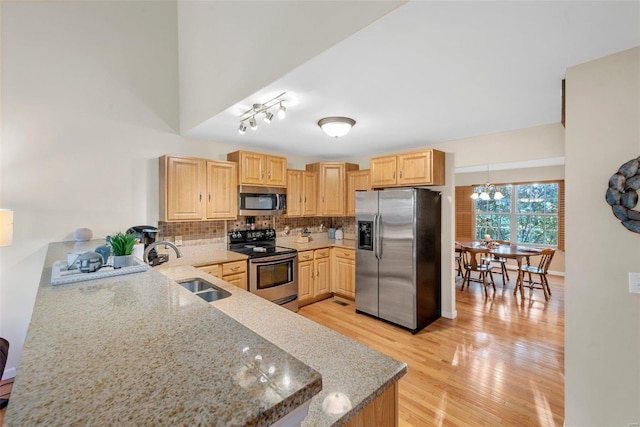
622	194
82	234
62	275
122	246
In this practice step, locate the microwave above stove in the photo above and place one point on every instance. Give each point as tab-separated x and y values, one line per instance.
261	200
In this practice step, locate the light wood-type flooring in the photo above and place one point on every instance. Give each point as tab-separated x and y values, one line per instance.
499	363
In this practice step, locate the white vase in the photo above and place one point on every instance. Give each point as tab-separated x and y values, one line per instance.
120	261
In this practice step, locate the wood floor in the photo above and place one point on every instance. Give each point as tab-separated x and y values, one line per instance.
499	363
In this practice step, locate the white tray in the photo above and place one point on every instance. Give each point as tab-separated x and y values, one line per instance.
60	275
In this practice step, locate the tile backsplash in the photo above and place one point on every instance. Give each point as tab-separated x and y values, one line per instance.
195	233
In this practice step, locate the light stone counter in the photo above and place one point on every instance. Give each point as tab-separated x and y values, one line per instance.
347	367
316	243
139	349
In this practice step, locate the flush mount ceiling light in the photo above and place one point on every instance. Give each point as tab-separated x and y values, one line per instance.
258	109
336	126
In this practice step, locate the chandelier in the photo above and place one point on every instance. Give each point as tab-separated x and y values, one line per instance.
249	116
488	187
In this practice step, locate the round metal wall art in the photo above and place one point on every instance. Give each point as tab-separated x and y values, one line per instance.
622	194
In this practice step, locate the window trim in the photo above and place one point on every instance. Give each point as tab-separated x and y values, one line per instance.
514	215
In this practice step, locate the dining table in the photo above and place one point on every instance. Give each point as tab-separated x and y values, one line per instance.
516	252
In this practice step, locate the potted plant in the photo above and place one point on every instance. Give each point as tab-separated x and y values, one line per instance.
122	246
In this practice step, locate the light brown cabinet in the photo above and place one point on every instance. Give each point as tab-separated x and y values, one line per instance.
343	272
301	193
331	200
260	169
424	167
234	272
314	275
356	180
197	189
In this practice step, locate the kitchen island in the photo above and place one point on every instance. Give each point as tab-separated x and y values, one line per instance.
141	349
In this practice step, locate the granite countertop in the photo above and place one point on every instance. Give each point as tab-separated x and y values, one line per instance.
316	243
356	371
141	349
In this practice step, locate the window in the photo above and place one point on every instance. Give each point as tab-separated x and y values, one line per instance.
528	213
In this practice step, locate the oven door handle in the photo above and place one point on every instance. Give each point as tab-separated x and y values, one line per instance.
270	259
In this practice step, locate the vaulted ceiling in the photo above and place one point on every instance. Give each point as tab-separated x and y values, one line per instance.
430	72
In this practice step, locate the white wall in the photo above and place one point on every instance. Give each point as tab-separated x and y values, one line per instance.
90	101
249	44
602	329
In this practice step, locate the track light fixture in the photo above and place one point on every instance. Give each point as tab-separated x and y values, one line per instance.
258	109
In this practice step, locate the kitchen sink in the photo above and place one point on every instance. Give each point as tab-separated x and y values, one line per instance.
205	290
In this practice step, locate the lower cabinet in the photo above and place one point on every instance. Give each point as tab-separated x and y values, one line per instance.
234	272
343	272
314	275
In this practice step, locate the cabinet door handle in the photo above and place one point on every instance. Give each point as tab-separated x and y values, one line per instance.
301	199
235	268
313	276
394	174
200	197
322	199
305	199
318	273
269	174
209	196
400	174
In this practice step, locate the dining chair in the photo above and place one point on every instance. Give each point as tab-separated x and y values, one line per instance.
493	258
4	354
458	252
472	260
546	255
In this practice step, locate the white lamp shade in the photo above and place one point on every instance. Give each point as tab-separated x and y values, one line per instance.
6	227
336	126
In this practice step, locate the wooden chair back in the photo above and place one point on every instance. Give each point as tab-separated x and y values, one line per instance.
545	260
472	257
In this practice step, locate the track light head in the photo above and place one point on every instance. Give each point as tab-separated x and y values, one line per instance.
282	111
243	128
253	124
268	117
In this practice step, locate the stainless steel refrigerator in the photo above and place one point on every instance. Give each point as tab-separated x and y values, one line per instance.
398	256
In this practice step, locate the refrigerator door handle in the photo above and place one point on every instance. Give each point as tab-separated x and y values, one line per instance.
375	236
377	240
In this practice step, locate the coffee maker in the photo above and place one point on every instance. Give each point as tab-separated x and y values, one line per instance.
146	234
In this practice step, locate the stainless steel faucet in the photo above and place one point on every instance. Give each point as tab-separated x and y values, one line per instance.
145	256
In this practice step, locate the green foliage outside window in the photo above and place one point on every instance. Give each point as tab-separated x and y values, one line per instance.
533	219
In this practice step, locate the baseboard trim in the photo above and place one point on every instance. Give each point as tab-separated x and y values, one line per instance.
449	314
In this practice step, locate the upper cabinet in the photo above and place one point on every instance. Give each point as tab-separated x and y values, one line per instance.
197	189
356	180
260	169
425	167
301	193
331	186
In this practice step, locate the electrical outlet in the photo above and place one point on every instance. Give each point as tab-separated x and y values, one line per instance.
178	240
634	283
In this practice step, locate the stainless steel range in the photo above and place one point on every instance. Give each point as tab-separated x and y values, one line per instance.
272	270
